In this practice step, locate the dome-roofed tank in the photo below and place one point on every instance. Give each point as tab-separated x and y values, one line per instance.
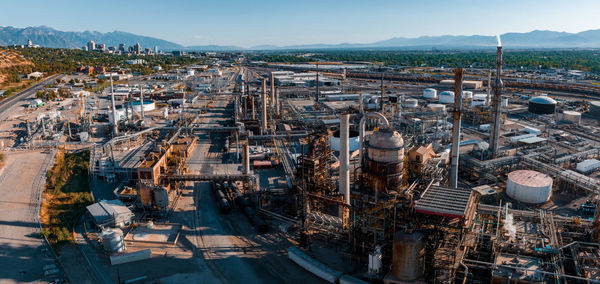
542	105
112	240
529	186
408	256
385	160
430	93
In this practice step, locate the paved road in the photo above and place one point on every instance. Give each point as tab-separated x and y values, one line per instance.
21	255
27	94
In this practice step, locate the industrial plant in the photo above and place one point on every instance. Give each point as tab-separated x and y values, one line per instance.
340	172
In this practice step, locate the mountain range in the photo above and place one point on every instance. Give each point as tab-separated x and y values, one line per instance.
49	37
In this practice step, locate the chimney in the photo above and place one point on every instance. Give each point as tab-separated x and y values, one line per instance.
344	158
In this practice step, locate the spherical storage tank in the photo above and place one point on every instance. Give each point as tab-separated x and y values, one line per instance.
595	108
542	105
385	160
529	186
446	97
410	103
430	93
408	256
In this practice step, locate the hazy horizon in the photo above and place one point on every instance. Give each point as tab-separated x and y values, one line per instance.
269	22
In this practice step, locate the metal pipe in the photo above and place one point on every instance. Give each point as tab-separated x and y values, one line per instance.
344	158
361	129
112	98
454	152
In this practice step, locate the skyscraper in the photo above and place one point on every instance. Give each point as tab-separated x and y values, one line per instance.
138	48
91	45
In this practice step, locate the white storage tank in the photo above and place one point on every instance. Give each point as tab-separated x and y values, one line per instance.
148	106
467	95
529	186
437	107
571	116
430	93
479	100
594	109
112	241
353	144
446	97
410	103
504	102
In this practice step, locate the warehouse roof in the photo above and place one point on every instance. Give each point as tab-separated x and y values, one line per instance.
445	201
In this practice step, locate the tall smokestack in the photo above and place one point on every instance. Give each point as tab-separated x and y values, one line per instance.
273	105
253	110
114	109
246	159
344	158
317	94
277	105
264	106
142	101
454	152
497	103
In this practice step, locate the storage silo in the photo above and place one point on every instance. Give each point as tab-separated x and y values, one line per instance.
385	160
542	105
571	116
467	95
437	107
529	186
408	256
446	97
112	241
430	93
594	108
410	103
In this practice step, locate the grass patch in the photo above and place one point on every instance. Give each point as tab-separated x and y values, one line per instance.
66	195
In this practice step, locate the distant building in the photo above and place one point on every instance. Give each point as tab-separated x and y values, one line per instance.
30	44
155	49
135	61
122	47
138	49
101	47
91	45
35	75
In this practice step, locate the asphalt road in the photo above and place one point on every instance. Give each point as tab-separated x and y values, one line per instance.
22	256
28	93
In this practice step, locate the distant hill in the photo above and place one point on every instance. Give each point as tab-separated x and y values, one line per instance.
48	37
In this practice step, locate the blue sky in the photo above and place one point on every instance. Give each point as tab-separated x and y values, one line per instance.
253	22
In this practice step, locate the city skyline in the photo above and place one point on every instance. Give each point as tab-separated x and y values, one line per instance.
310	22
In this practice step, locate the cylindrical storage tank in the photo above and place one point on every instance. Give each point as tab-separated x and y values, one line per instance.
529	186
446	97
112	241
504	102
571	116
148	106
467	95
430	93
353	143
595	108
408	256
385	160
542	105
437	107
410	103
479	100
